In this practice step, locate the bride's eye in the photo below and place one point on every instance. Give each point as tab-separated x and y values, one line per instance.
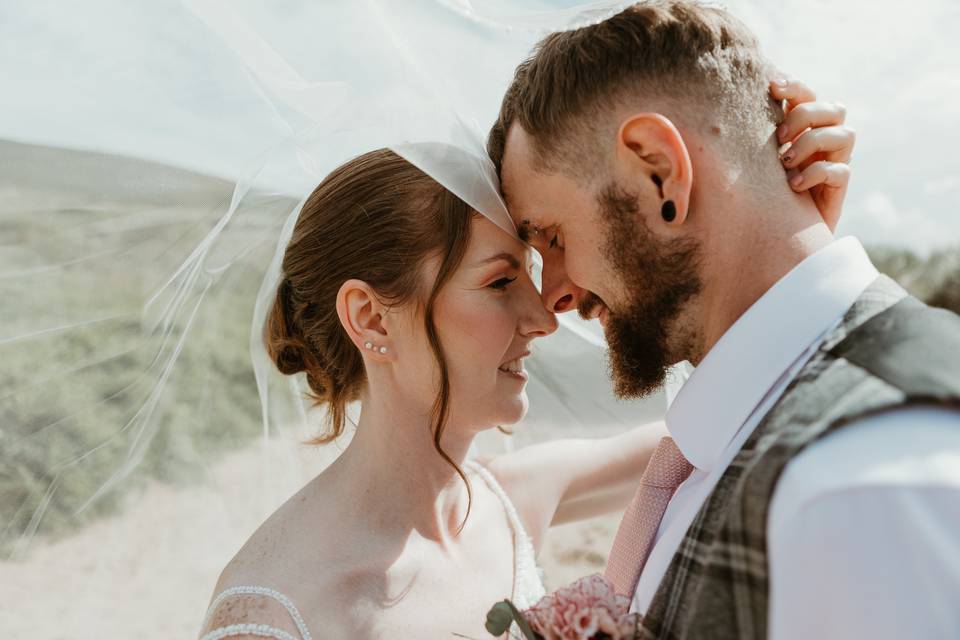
501	284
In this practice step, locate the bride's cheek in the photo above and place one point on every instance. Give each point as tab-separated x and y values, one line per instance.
467	326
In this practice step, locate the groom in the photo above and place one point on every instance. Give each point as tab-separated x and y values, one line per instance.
813	485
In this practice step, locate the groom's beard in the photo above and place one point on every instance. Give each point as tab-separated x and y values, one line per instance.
659	278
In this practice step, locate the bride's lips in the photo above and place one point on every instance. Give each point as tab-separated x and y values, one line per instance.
516	375
513	368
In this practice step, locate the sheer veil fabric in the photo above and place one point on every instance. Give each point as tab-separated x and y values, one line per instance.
161	155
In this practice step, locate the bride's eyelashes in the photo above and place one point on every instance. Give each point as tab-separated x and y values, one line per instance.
501	284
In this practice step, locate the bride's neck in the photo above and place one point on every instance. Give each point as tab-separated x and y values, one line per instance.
393	474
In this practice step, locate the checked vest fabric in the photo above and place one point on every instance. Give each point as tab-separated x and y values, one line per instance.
890	350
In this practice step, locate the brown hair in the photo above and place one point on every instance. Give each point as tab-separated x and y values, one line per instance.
696	64
376	218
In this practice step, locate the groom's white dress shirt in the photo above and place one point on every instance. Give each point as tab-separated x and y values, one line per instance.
864	526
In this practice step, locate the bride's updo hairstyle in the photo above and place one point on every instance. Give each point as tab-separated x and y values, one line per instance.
376	218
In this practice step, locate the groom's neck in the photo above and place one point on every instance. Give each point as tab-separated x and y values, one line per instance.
752	248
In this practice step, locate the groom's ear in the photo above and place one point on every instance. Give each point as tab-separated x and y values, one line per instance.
654	157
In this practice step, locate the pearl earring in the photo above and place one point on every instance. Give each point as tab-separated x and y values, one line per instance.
370	347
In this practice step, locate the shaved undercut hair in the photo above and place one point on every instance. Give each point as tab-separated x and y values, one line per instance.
695	64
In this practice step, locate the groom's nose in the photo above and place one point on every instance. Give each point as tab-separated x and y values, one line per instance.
558	293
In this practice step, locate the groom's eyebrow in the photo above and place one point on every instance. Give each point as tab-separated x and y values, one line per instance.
523	230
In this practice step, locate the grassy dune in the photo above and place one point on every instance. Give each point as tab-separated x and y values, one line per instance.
935	279
82	248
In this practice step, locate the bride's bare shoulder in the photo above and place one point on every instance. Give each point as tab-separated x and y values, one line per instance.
293	539
298	552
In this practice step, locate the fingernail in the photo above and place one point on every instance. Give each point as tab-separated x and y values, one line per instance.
780	82
788	158
781	131
797	180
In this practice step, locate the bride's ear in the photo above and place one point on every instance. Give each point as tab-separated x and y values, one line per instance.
654	156
361	314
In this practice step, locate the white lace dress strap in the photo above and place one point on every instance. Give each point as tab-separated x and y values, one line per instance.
527	577
263	630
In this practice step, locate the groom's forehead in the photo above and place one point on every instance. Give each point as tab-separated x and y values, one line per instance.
516	176
534	197
514	204
516	163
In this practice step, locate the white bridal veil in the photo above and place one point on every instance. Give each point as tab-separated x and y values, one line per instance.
155	160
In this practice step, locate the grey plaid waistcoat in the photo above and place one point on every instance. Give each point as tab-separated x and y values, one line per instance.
890	350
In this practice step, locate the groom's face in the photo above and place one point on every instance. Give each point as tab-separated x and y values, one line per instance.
600	258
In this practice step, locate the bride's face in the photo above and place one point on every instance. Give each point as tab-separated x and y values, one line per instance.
486	316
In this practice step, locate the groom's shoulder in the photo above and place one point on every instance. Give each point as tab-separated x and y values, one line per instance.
901	431
876	459
909	345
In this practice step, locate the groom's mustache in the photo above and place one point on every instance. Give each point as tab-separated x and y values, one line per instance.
588	305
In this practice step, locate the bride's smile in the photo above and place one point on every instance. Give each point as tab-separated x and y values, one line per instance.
514	367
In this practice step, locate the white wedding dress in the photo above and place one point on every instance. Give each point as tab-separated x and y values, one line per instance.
527	581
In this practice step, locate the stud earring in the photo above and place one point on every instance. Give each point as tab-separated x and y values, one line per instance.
383	349
368	345
669	211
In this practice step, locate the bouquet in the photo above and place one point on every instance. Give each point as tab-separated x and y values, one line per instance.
588	609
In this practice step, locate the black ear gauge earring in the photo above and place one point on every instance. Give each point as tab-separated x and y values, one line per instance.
669	211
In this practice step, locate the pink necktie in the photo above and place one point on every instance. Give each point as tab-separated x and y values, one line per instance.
665	472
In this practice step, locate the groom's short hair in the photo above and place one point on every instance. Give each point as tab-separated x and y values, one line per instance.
697	65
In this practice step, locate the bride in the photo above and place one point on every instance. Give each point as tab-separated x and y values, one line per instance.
394	293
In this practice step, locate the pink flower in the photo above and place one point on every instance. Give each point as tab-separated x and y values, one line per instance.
582	611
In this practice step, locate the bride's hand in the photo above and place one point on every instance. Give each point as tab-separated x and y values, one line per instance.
821	146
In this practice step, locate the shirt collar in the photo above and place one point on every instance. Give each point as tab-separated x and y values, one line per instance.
761	345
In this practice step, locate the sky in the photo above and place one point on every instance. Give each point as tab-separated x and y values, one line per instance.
155	80
895	66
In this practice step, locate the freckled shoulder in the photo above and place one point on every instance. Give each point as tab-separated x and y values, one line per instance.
294	553
310	578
